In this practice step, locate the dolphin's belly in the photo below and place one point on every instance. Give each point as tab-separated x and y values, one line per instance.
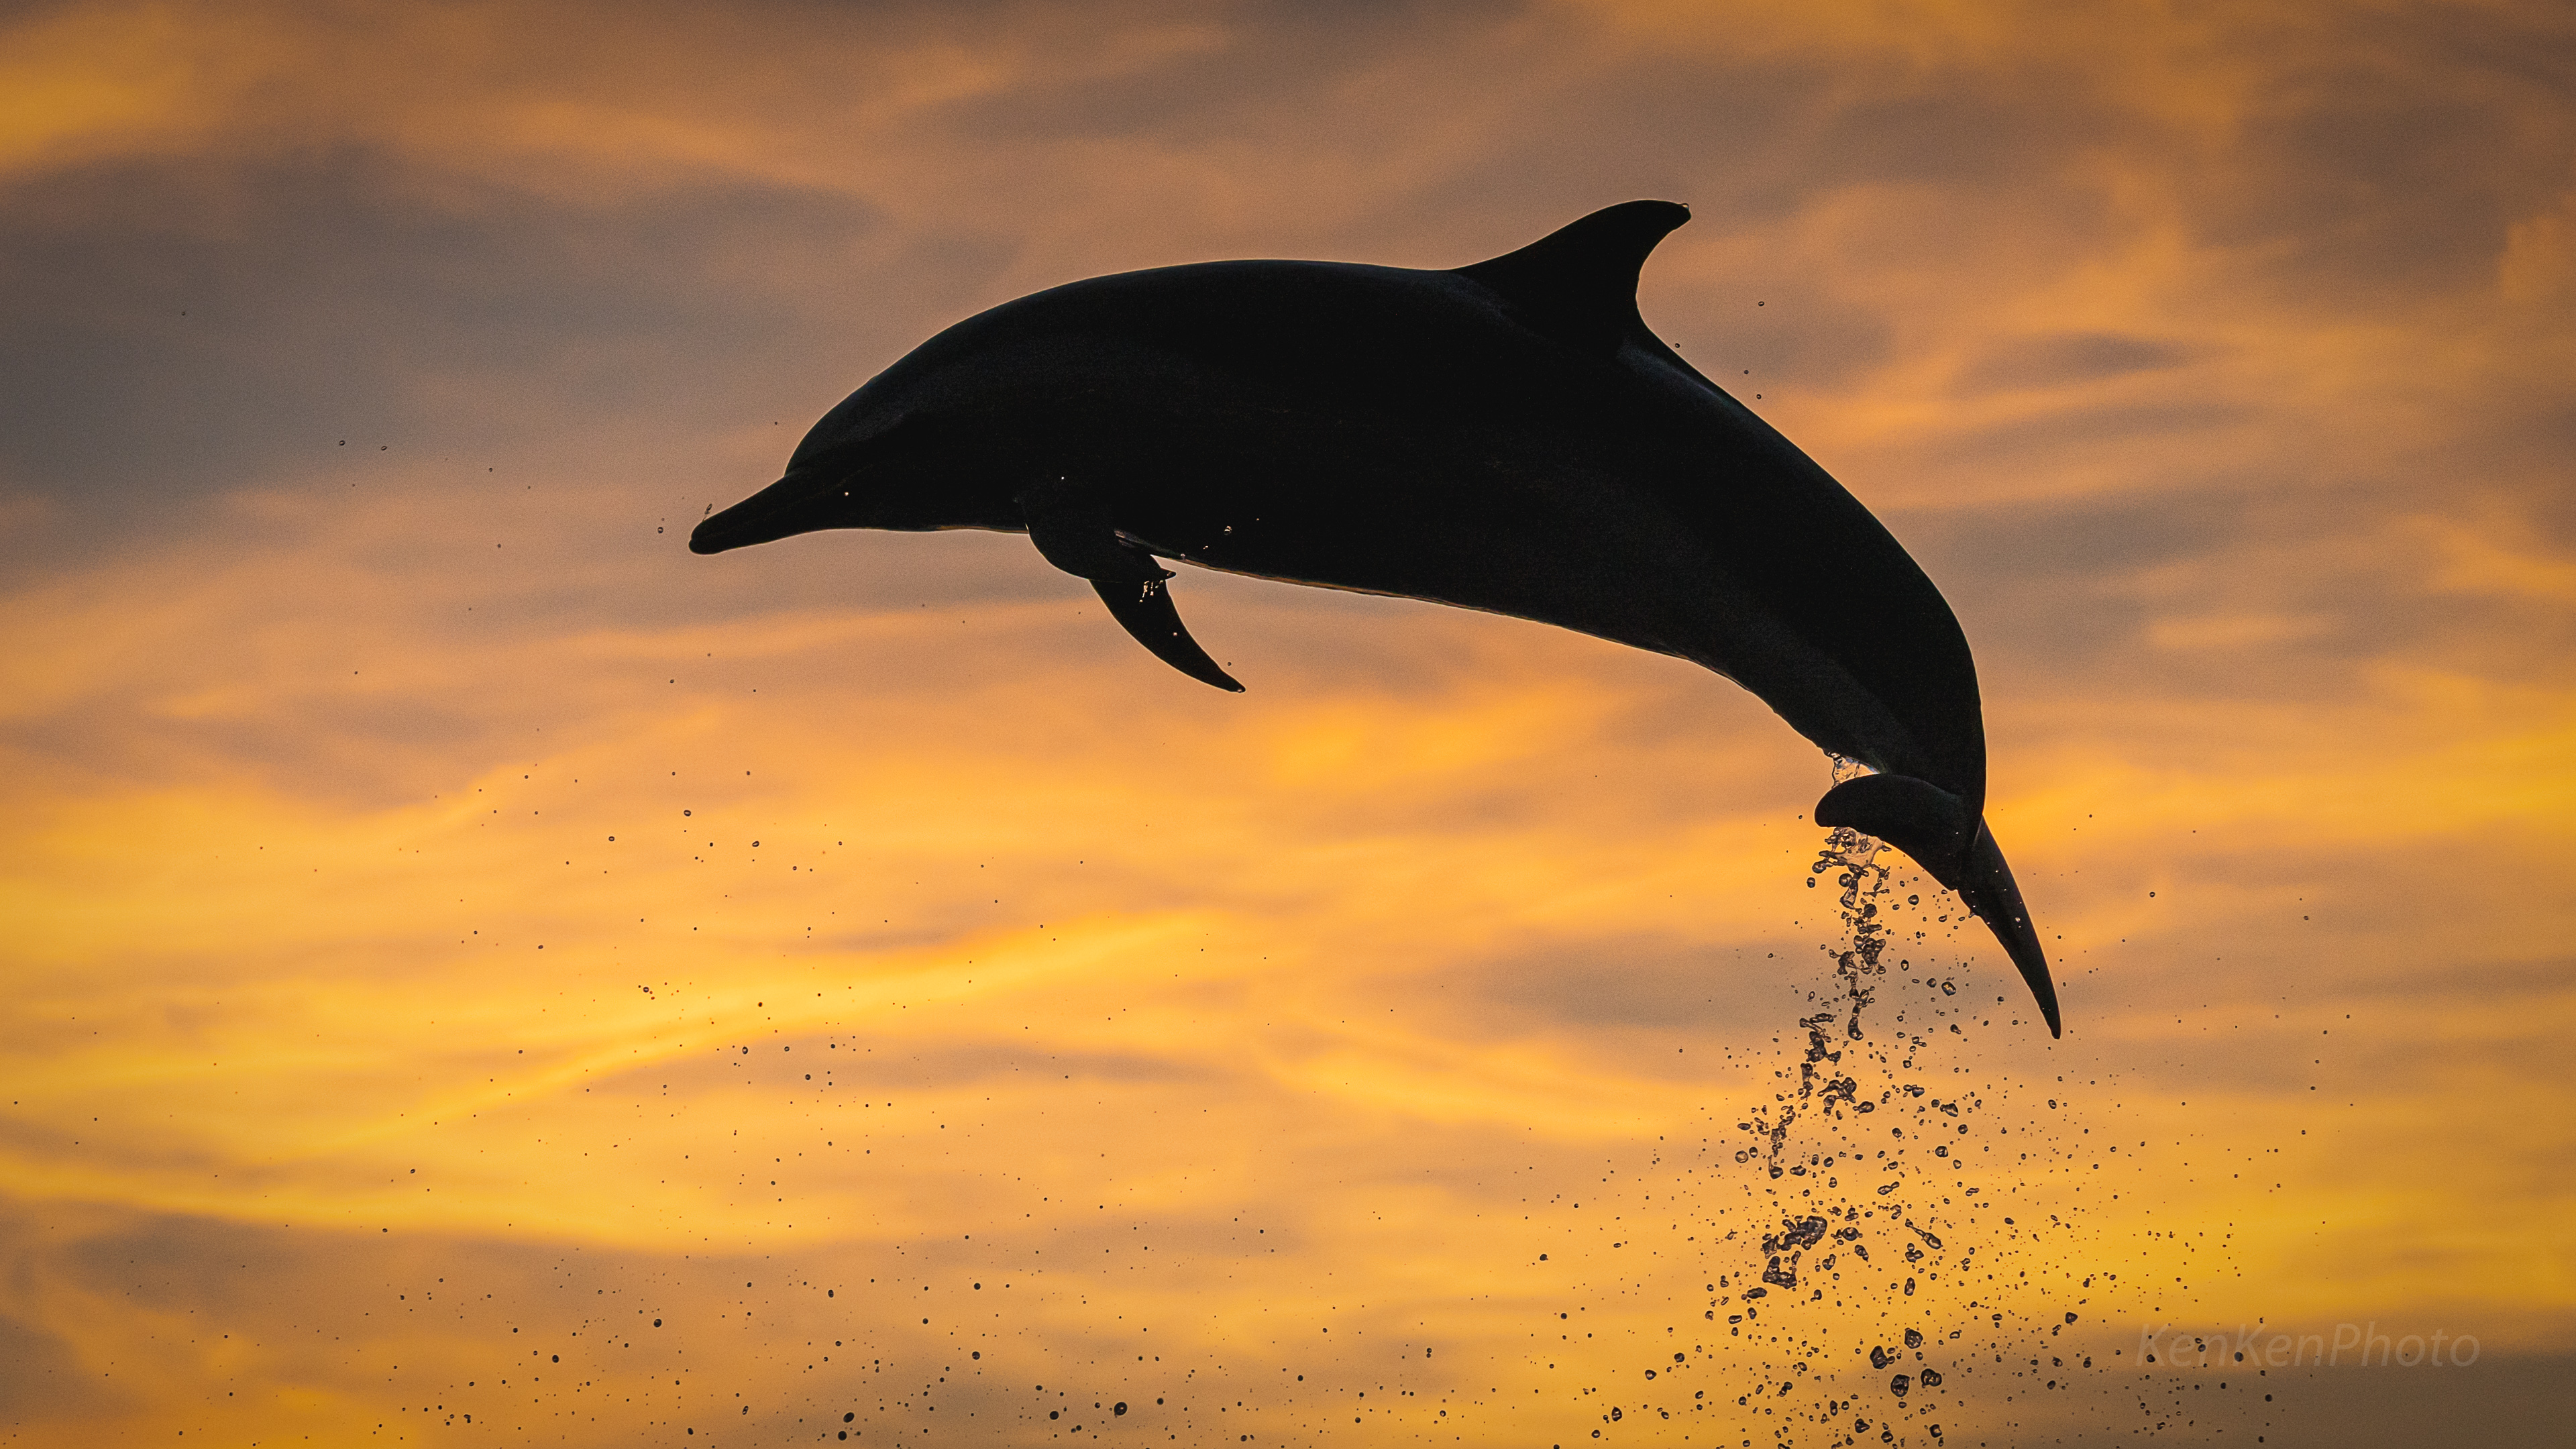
1478	522
1533	518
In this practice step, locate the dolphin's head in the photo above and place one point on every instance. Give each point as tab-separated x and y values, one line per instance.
879	460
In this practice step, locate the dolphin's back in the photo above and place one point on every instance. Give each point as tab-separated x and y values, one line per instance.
1404	432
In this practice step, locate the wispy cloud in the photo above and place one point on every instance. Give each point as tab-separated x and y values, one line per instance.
437	898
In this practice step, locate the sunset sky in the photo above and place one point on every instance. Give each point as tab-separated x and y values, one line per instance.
469	956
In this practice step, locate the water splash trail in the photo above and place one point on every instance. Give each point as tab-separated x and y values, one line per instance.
1860	968
1848	1271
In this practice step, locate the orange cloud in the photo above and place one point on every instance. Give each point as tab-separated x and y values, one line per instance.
455	930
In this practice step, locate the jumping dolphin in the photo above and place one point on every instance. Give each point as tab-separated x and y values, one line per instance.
1507	436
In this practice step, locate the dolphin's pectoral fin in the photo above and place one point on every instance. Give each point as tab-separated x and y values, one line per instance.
1932	825
1145	608
1578	284
1990	892
1069	522
1916	816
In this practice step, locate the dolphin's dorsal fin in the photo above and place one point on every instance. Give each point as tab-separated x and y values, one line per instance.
1579	282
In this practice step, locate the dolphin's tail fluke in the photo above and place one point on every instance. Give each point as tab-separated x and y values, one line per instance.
1934	826
1987	887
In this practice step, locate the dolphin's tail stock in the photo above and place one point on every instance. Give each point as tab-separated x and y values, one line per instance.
1933	826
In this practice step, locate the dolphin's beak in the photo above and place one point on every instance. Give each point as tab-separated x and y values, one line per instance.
816	493
784	508
1986	884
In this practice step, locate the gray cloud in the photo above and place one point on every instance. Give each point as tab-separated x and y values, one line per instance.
179	330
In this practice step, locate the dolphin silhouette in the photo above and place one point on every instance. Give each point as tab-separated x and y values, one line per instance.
1508	436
